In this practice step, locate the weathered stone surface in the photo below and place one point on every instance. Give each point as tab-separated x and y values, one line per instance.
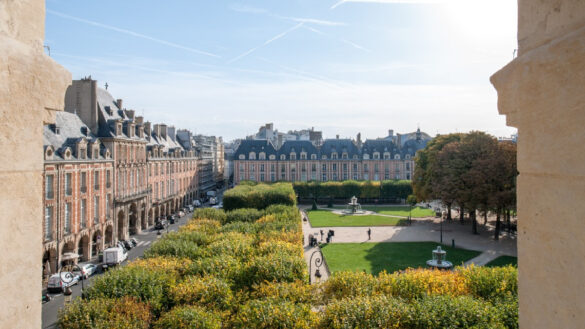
32	86
542	93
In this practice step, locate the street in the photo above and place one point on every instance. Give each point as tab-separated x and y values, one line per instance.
145	240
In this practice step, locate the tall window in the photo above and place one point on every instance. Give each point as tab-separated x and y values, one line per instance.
68	190
49	193
96	180
324	167
67	227
83	211
108	202
83	182
108	179
96	209
48	223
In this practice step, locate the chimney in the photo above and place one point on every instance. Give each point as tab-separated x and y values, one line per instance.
139	120
391	132
399	140
359	139
336	136
171	132
157	130
147	129
130	114
119	103
164	130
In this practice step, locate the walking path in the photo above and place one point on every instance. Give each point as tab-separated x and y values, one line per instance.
422	229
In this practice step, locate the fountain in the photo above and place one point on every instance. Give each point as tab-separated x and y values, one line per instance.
352	208
354	205
438	261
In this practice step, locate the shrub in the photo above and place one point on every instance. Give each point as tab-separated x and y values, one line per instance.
189	317
209	226
292	249
175	248
491	282
284	213
199	237
437	312
231	243
508	311
296	292
274	314
417	283
350	284
243	215
295	237
274	267
366	312
205	291
259	196
226	267
240	227
146	284
105	313
177	267
210	213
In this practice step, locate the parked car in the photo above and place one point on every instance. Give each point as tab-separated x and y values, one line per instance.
172	219
121	244
59	281
181	213
85	270
190	208
134	241
160	225
129	245
197	203
114	256
213	201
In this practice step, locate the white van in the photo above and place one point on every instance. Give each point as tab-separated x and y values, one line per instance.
114	256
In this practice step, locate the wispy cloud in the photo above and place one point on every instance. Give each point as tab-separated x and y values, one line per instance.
389	1
267	42
261	11
132	33
353	44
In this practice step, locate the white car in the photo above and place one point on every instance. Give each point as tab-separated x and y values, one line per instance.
86	270
212	200
59	281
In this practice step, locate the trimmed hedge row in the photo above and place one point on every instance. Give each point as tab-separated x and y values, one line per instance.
397	189
259	196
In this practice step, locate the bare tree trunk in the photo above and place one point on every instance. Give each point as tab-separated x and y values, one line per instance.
508	221
497	230
461	213
449	218
473	222
485	213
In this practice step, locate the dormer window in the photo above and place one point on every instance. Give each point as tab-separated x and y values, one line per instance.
303	155
387	155
366	156
67	154
344	155
376	155
407	157
272	157
293	156
118	129
355	157
324	157
262	156
334	155
282	157
252	156
313	156
396	156
242	157
49	153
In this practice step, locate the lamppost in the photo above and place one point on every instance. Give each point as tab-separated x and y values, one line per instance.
318	264
67	277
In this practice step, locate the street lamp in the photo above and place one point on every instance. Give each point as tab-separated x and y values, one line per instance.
67	277
318	264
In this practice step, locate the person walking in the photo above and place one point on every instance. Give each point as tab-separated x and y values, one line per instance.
369	234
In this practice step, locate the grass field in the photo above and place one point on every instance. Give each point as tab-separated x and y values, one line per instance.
325	218
398	210
389	256
503	261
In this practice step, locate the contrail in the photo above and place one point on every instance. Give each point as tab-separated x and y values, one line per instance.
353	44
387	1
132	33
278	36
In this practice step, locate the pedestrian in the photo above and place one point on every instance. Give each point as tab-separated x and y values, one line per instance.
369	234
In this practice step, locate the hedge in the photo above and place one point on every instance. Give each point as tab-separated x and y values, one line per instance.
105	313
259	196
389	189
189	317
274	314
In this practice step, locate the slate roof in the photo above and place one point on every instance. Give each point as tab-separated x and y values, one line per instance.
248	145
340	146
381	146
71	130
297	146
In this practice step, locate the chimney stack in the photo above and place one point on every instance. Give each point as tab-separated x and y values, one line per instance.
130	114
147	129
139	120
119	103
337	136
164	130
391	132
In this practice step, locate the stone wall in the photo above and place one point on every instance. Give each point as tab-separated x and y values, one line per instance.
542	93
32	86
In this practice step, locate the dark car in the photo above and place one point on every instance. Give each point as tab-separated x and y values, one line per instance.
129	245
172	219
160	225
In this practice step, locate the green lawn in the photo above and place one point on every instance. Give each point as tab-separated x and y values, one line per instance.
389	256
325	218
398	210
503	261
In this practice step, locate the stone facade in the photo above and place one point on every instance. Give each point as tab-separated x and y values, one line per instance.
541	93
31	90
334	160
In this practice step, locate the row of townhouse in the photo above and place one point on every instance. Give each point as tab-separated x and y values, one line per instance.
108	174
334	160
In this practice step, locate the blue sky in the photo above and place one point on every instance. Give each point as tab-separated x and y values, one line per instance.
226	67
